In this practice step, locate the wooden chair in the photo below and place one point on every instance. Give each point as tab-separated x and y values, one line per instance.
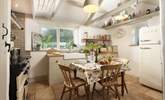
71	84
123	84
122	76
109	79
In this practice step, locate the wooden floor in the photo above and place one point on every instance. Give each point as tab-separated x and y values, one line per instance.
41	91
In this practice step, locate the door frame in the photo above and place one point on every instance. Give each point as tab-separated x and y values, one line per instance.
162	26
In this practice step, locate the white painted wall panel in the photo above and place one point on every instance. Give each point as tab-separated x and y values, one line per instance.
5	10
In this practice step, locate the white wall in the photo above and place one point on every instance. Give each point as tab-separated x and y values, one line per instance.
39	60
36	25
130	52
126	51
90	30
39	64
162	20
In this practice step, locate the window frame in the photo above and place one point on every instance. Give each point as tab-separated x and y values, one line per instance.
53	28
58	35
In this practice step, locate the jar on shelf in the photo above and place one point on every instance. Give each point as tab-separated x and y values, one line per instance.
85	35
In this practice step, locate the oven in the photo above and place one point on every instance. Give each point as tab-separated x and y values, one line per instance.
19	80
22	81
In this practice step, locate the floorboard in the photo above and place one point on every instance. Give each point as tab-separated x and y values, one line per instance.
41	91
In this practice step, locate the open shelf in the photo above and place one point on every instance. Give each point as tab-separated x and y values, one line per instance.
115	11
96	40
133	45
133	21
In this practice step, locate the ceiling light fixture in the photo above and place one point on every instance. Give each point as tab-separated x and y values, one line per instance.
91	6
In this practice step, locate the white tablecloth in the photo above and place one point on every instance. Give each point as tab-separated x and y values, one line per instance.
92	71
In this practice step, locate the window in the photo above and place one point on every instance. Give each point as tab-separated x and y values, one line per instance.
66	38
48	39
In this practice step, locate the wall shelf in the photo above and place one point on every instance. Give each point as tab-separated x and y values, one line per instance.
133	21
115	11
133	45
96	39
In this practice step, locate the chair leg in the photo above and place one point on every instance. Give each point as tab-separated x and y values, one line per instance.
117	92
63	91
94	85
125	87
86	91
122	83
70	94
103	93
77	91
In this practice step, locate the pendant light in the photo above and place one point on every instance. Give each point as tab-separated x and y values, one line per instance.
91	6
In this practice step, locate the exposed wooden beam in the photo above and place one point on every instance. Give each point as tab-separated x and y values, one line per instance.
93	14
113	12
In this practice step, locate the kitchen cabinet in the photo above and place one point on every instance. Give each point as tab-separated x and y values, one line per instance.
55	75
150	70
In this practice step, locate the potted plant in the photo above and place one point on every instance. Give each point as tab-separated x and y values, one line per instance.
92	49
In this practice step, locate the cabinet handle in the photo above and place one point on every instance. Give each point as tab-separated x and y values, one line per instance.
145	40
6	30
56	61
7	44
144	48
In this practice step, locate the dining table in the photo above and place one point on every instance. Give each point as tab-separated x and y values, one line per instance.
92	71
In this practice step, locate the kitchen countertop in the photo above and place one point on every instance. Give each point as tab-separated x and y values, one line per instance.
55	55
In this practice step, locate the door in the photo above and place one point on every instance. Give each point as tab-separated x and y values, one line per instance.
149	35
150	66
5	11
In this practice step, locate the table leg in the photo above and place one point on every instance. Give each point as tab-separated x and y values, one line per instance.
75	73
122	83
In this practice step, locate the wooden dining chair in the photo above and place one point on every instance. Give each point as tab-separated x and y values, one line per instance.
109	80
123	84
71	84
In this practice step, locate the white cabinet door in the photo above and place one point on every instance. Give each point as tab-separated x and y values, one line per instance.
149	35
55	74
150	66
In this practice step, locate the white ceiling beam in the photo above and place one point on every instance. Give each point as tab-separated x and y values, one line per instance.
92	14
112	12
56	7
43	4
34	7
47	5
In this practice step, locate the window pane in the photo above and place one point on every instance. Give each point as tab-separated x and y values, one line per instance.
66	38
45	40
49	38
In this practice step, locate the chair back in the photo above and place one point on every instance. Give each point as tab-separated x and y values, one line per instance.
110	73
66	71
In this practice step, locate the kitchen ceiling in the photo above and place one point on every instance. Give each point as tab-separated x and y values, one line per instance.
70	11
22	6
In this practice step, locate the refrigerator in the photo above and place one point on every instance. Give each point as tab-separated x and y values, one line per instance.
150	65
